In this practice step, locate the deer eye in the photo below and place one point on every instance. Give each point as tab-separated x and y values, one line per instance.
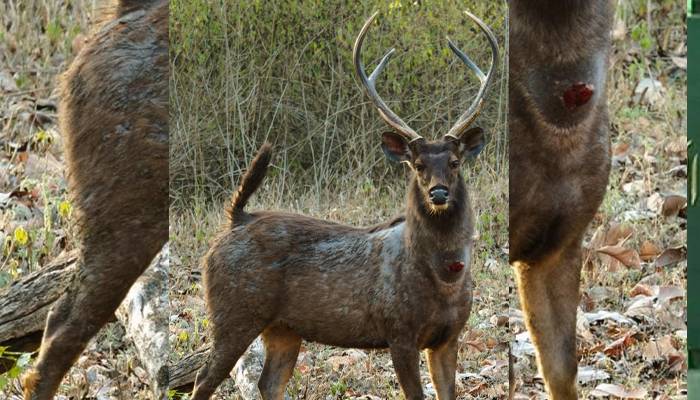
420	167
454	164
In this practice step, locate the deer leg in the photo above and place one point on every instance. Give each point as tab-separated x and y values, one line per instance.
442	363
281	351
105	275
549	296
226	350
406	359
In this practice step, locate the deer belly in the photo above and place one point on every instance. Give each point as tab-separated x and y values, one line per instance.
337	320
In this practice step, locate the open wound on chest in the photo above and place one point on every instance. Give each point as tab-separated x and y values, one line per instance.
456	266
577	95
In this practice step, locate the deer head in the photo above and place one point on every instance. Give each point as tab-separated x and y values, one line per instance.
435	163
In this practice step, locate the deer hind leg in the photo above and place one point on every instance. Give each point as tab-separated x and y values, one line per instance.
281	351
229	344
122	211
442	363
116	146
107	271
549	296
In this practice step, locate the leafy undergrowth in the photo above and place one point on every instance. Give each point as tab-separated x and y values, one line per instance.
324	372
631	327
38	38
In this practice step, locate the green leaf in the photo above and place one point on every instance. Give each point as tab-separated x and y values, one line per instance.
14	372
24	360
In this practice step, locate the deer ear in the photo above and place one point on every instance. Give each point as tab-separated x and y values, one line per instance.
471	142
395	147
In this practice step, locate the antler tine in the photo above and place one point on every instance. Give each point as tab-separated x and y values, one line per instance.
369	84
475	108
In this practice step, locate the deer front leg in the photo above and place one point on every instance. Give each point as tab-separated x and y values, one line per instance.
549	296
442	362
406	359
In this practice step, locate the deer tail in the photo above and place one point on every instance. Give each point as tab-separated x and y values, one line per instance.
250	183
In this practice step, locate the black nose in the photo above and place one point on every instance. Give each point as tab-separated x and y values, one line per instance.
439	195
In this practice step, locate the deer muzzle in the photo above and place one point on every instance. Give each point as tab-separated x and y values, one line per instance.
439	195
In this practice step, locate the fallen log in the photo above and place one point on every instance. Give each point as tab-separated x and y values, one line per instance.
25	303
183	373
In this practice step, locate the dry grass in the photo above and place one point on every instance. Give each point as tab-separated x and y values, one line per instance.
650	158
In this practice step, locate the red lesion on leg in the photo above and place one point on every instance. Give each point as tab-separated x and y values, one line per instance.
577	95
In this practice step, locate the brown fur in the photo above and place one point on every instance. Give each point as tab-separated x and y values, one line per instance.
559	167
114	118
291	277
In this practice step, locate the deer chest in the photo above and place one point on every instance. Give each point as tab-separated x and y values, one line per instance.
563	94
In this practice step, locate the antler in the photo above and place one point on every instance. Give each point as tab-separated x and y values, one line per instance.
369	83
475	108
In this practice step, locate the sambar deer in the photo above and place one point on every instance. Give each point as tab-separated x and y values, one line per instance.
559	166
114	119
404	284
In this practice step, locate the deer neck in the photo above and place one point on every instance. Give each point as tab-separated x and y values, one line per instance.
435	242
548	28
555	85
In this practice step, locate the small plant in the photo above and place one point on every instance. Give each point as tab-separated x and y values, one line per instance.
54	31
20	364
339	388
640	34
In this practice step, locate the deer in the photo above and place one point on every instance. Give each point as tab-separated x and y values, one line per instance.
404	284
113	116
559	166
